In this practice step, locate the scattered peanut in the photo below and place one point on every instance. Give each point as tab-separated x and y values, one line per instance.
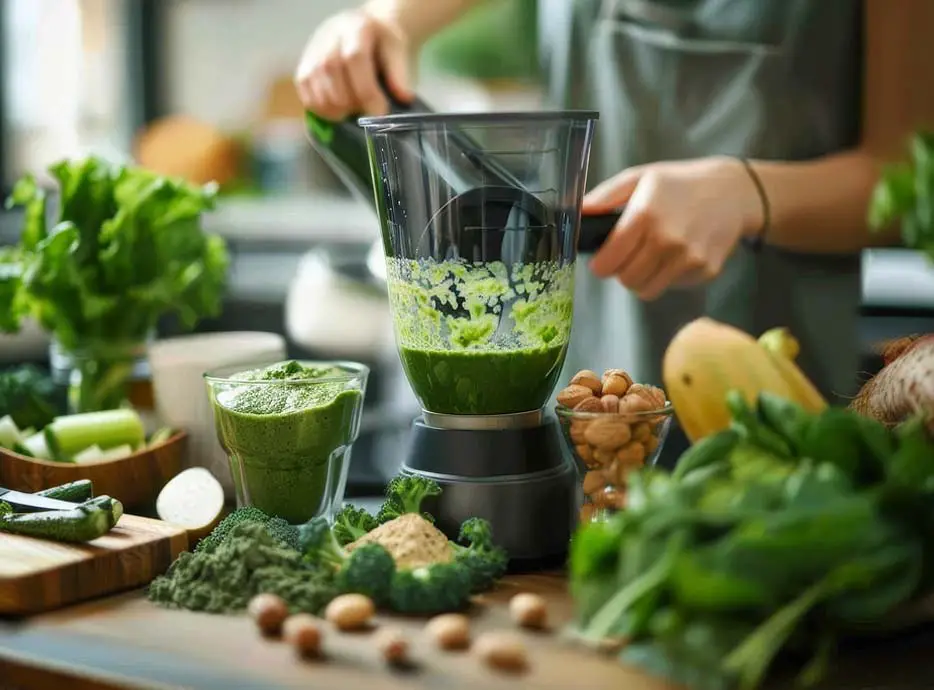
529	610
449	631
502	650
269	612
350	611
392	644
302	632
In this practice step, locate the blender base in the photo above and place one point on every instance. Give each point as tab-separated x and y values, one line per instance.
524	481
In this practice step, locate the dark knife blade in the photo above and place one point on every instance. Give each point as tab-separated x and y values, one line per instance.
30	503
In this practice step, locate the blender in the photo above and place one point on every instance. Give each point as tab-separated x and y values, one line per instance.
481	224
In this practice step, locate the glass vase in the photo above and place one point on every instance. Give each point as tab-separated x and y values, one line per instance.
99	374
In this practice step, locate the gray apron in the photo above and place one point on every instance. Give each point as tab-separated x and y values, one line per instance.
677	79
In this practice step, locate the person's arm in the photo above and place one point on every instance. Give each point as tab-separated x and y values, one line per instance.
821	206
421	19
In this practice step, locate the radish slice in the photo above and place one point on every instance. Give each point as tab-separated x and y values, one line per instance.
193	499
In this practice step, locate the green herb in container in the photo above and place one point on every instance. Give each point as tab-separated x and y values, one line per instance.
126	249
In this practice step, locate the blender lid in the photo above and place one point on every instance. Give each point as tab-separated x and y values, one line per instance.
492	118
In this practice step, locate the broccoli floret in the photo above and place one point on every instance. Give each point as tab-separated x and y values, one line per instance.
431	589
5	509
317	543
365	570
352	523
485	561
277	528
368	570
405	495
283	531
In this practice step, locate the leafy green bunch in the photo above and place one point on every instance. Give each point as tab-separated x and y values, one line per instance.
905	194
787	531
127	248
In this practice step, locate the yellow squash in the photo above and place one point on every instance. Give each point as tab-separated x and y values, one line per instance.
708	358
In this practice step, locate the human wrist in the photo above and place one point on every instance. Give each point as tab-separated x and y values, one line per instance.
416	21
751	197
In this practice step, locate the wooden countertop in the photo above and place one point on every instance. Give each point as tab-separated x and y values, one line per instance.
125	642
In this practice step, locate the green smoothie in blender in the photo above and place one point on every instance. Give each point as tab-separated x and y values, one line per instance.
481	338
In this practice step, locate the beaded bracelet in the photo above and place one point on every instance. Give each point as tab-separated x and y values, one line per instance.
757	240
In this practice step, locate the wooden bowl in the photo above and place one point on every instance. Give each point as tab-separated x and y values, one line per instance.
135	480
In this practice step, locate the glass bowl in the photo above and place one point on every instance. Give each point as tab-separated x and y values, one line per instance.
288	435
608	446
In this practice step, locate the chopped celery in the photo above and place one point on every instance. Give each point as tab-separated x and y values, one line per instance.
118	452
27	432
71	434
89	454
9	432
160	436
37	446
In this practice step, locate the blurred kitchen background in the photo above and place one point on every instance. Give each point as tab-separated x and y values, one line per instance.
202	88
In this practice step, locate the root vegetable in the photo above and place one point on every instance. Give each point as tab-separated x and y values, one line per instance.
269	612
302	632
904	387
528	610
350	611
502	650
392	644
449	631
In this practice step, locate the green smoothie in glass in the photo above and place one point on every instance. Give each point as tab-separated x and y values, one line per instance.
287	429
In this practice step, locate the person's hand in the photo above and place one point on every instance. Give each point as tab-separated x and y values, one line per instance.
337	74
681	222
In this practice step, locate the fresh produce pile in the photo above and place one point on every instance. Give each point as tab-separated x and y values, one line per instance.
614	426
397	559
89	519
783	532
82	438
905	194
127	249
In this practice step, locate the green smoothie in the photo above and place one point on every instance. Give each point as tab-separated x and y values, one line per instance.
287	431
482	382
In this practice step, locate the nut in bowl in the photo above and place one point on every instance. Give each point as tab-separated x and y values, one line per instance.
613	426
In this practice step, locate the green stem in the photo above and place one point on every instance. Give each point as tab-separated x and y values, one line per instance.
752	658
603	621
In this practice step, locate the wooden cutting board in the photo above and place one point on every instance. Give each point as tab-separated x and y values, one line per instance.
39	575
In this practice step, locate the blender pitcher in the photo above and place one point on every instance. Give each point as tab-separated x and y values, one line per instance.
480	221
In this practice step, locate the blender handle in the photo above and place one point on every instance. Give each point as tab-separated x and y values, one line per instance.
595	228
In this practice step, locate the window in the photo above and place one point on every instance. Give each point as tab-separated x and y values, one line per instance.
75	78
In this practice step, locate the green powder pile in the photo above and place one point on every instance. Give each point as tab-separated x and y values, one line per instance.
248	561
